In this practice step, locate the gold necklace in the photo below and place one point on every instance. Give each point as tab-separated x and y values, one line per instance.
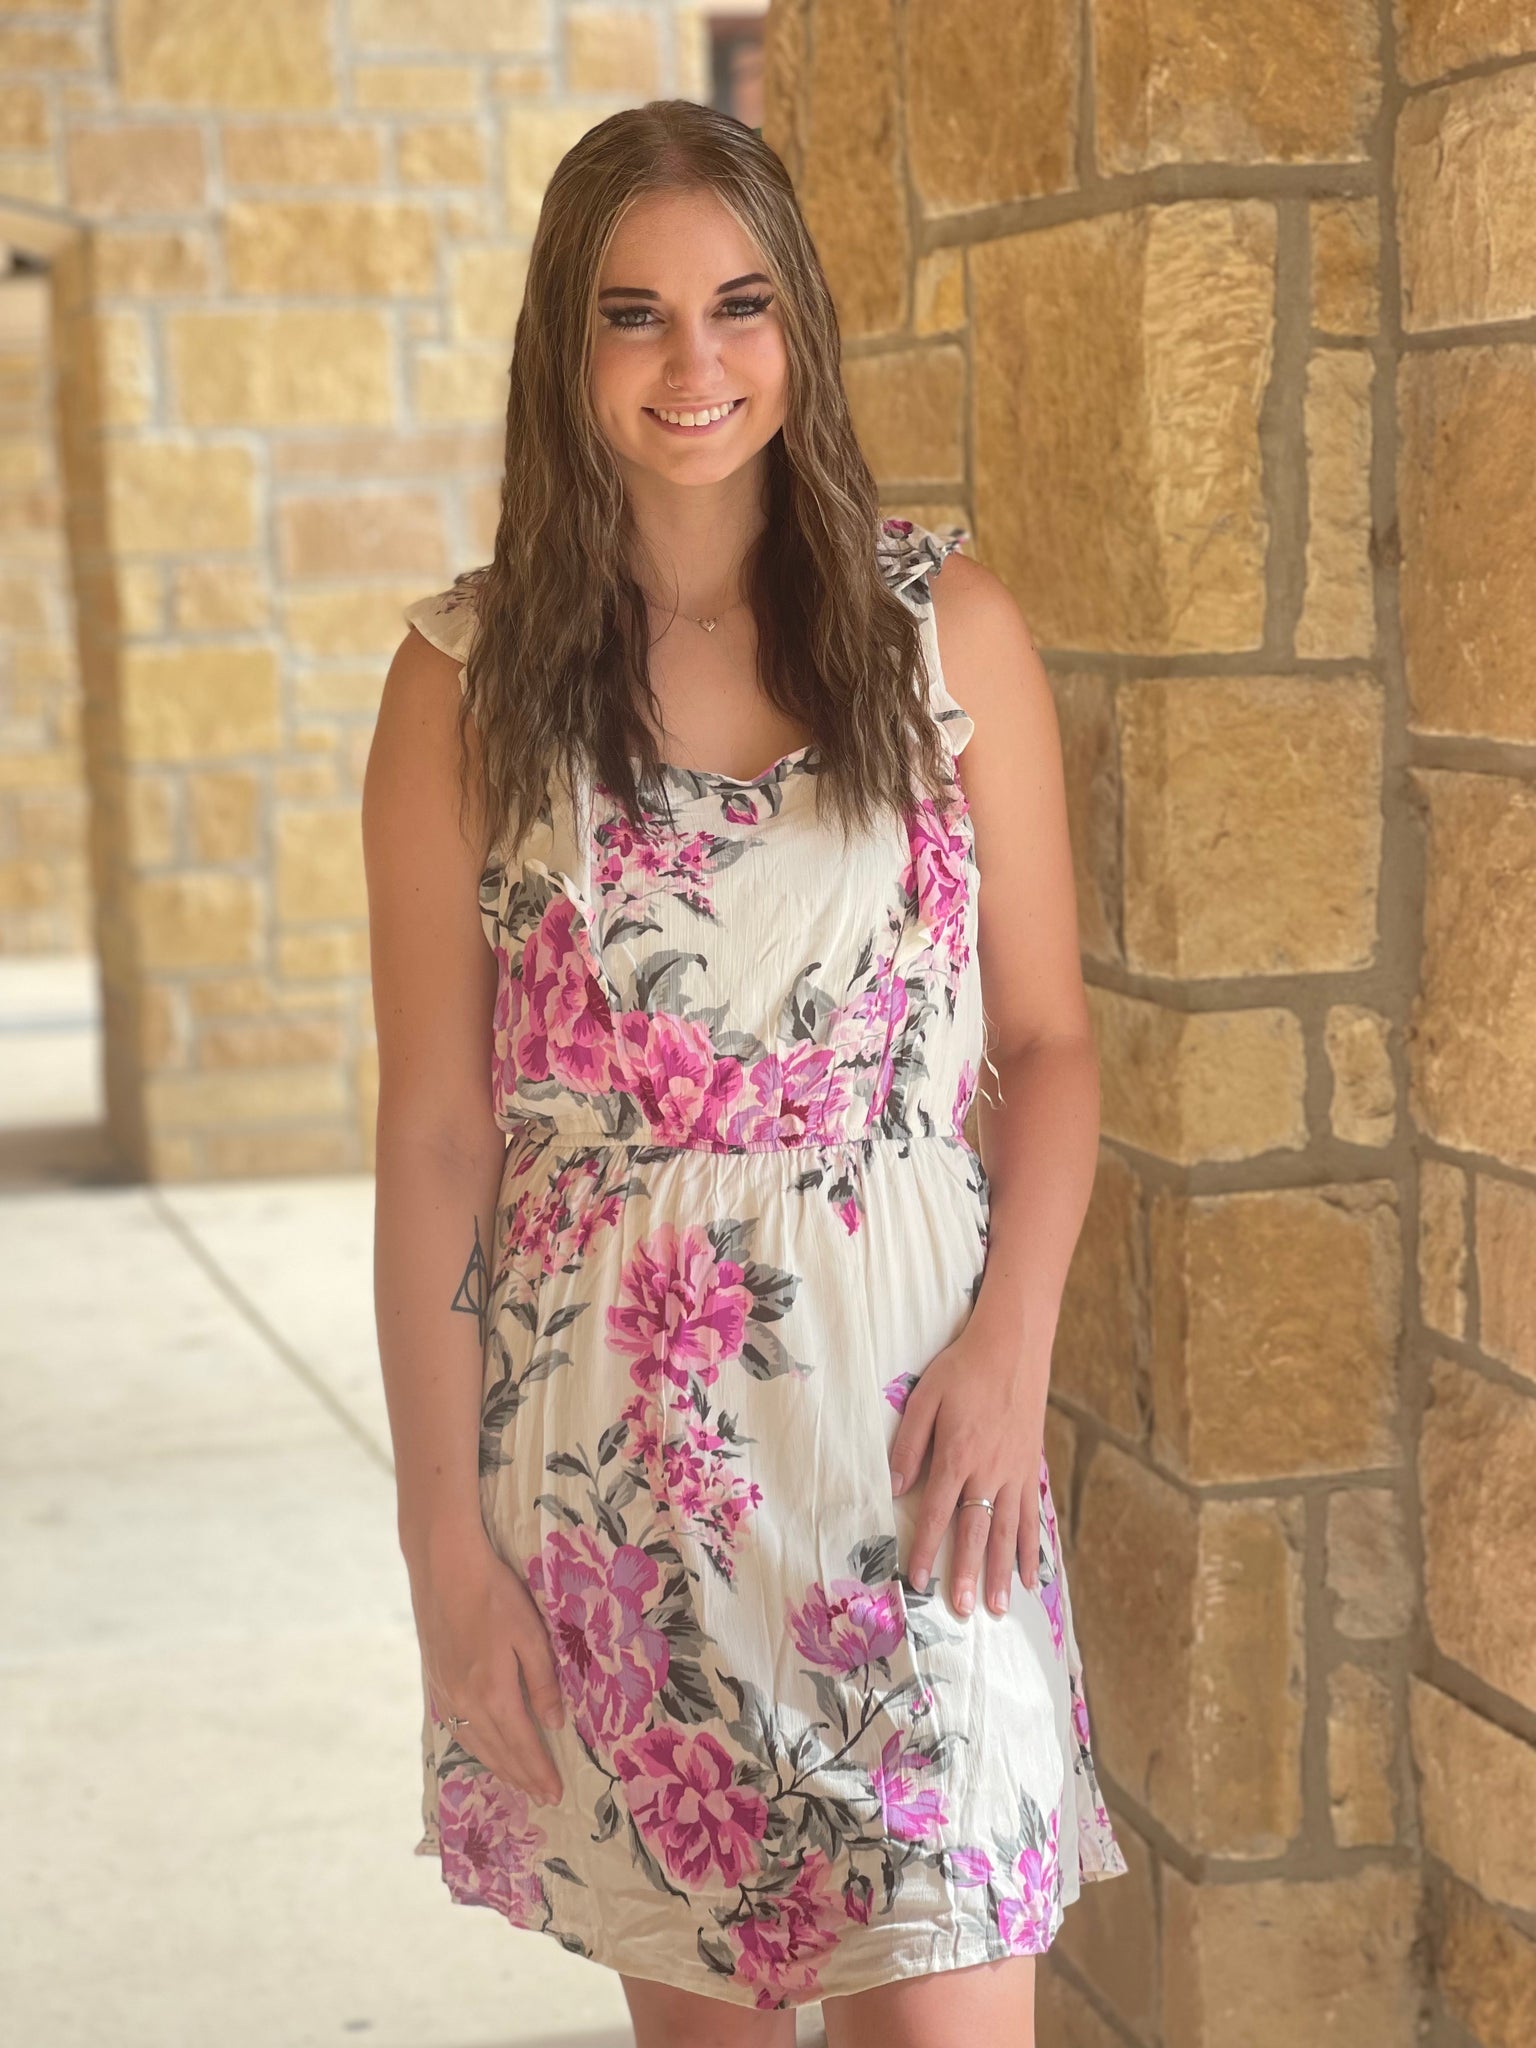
709	622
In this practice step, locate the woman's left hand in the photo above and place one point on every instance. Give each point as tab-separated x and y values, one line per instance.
982	1408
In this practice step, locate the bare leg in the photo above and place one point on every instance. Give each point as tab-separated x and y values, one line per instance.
668	2018
991	2002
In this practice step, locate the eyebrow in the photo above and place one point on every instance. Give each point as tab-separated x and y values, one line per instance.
635	291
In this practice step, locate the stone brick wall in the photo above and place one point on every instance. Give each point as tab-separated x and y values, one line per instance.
1219	330
284	248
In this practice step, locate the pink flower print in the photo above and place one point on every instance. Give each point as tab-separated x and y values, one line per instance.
682	1791
790	1098
671	1068
1050	1598
847	1625
1025	1922
780	1948
964	1096
706	1496
559	1024
612	1661
937	873
907	1813
1080	1716
970	1866
897	1390
858	1897
682	1312
490	1846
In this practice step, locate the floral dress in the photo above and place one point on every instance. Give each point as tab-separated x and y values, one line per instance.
738	1216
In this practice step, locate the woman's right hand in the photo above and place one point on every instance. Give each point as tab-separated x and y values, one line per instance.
483	1640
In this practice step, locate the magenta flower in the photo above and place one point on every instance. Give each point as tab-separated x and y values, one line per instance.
553	1020
612	1661
780	1948
897	1390
682	1311
847	1625
1025	1922
682	1791
970	1866
490	1846
907	1813
683	1086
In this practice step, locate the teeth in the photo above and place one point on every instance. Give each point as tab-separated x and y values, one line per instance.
694	419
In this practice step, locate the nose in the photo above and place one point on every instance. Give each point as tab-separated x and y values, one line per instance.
691	357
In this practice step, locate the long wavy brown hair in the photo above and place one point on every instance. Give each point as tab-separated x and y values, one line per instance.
559	666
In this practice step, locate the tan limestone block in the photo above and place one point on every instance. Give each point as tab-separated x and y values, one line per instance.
221	597
23	116
908	411
322	955
1338	611
137	168
24	604
347	621
1111	1934
199	702
1467	451
1346	261
1362	1758
32	178
416	88
1443	1247
1098	1357
25	885
1167	553
364	533
852	185
195	920
124	371
169	1156
1466	158
46	49
459	384
364	248
1368	1570
991	94
165	496
152	262
262	1155
485	292
283	368
1257	83
1477	1452
786	109
1275	1319
1090	753
345	690
1470	1040
1477	1792
303	153
1485	1969
467	217
527	81
224	53
441	153
611	51
224	816
319	865
534	138
162	1038
1199	1084
1506	1272
938	292
1063	2016
229	995
307	779
1359	1046
491	28
1252	823
1325	1961
245	1095
430	452
49	768
1434	38
1190	1617
271	1042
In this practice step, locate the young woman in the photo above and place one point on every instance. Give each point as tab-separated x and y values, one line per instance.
716	1359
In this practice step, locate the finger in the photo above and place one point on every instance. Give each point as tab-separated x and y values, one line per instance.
521	1758
940	1492
910	1443
969	1547
1029	1540
541	1679
1002	1546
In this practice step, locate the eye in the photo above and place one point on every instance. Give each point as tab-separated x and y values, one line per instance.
752	307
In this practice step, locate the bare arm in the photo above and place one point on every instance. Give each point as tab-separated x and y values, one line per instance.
1039	1125
437	1179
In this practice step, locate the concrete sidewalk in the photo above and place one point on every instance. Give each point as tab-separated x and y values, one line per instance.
210	1685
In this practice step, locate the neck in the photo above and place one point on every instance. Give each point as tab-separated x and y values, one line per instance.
693	539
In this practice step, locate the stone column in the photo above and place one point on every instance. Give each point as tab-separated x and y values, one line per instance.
1180	313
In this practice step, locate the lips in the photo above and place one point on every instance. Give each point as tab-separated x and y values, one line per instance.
673	426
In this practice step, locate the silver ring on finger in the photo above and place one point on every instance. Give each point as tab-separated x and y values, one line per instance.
456	1722
977	1500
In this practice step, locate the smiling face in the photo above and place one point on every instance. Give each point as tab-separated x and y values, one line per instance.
689	366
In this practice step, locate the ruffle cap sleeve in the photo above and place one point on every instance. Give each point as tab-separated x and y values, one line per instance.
909	554
448	619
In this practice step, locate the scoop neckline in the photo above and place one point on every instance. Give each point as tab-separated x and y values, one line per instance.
718	779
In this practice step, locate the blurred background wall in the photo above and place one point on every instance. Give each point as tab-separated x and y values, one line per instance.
263	275
1217	327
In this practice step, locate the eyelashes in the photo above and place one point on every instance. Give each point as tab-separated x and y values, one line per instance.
620	321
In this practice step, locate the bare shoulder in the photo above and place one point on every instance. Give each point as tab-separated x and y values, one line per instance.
985	643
